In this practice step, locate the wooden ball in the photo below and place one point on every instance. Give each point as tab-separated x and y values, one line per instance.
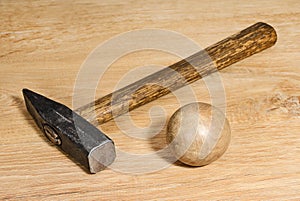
198	134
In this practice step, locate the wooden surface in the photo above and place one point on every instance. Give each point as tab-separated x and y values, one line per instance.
43	45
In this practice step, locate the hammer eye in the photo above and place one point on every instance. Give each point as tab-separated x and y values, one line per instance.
52	135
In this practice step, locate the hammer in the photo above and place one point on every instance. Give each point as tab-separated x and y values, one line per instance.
74	132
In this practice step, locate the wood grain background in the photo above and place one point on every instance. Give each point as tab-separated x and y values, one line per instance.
43	45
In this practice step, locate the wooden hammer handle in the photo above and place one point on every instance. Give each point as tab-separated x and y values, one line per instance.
241	45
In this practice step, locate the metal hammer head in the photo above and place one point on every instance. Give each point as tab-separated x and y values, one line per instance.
70	132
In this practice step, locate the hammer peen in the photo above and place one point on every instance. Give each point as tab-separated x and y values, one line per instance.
73	132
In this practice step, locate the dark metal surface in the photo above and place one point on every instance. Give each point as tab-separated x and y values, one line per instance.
70	132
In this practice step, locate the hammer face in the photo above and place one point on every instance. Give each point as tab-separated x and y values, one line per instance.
70	132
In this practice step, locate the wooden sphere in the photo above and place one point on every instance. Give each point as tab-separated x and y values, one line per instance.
198	134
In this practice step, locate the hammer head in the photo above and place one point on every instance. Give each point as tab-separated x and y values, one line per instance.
70	132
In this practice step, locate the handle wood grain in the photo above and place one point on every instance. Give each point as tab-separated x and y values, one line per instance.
241	45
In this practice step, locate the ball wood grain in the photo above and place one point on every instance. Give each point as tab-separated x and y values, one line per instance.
198	134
